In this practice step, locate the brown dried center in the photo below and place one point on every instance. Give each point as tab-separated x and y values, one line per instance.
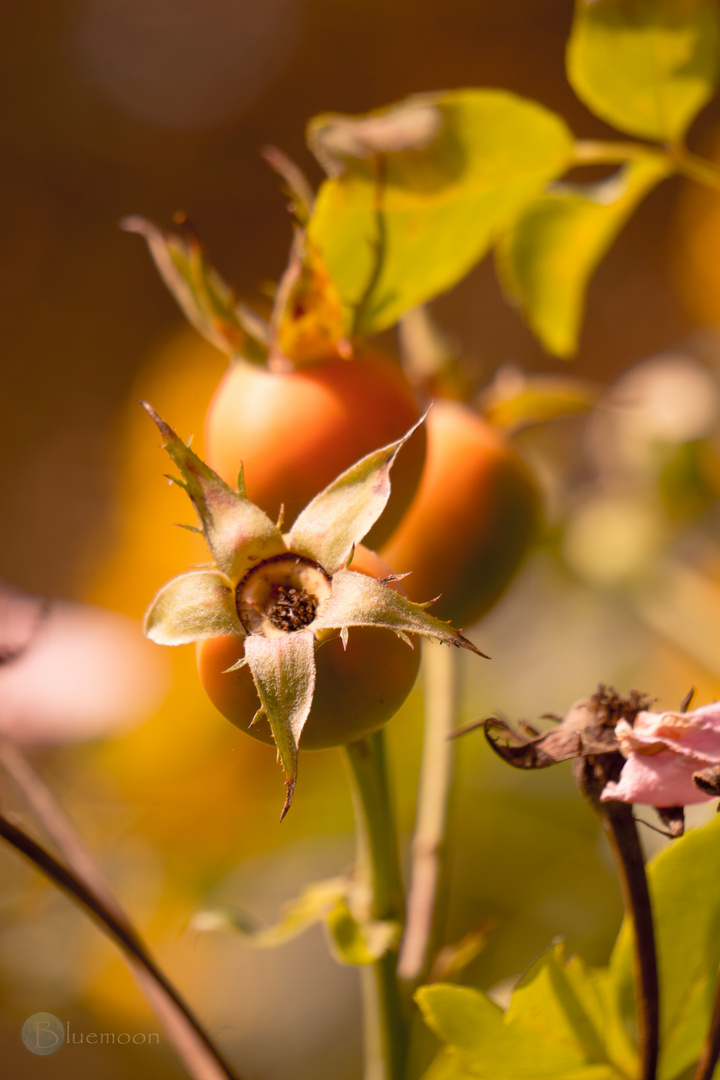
282	595
290	608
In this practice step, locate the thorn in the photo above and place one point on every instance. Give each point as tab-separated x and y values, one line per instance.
281	517
685	703
395	577
290	785
466	728
258	715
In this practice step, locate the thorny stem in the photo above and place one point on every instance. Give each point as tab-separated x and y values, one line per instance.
711	1047
621	830
386	1028
426	898
123	934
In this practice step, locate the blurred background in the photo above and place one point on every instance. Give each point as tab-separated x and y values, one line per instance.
113	107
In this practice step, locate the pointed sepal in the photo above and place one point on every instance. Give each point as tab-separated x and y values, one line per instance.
239	534
339	517
191	607
207	301
283	669
360	600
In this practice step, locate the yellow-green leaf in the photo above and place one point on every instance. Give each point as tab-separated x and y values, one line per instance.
645	66
399	226
546	258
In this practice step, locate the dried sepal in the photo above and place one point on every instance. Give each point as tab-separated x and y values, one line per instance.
191	607
283	669
207	301
239	534
359	600
337	519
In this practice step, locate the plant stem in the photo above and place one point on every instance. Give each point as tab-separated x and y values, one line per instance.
599	152
621	830
199	1054
386	1029
695	168
711	1047
426	898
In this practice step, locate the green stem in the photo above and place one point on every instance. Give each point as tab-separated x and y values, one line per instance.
386	1028
428	879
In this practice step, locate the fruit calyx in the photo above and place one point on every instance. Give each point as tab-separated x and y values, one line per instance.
282	595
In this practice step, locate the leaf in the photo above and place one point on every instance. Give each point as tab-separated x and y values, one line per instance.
491	1044
546	258
645	66
515	400
410	125
686	911
448	1066
337	519
351	941
283	668
568	1002
239	534
310	907
191	607
360	600
403	225
207	301
359	943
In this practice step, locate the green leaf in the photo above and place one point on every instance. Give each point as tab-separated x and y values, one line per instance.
206	300
448	1066
312	906
567	1002
239	534
283	668
351	941
515	400
339	517
360	600
400	226
645	66
191	607
492	1044
683	882
546	258
359	943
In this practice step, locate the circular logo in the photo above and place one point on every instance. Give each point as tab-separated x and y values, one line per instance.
43	1033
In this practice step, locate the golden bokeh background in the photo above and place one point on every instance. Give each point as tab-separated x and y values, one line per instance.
112	107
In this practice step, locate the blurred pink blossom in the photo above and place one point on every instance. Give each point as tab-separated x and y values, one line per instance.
72	671
664	751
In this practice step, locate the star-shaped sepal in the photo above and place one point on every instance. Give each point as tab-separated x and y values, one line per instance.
285	595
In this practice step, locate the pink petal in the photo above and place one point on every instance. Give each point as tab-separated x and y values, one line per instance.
80	671
695	735
662	779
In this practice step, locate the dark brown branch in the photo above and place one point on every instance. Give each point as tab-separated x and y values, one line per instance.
116	928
